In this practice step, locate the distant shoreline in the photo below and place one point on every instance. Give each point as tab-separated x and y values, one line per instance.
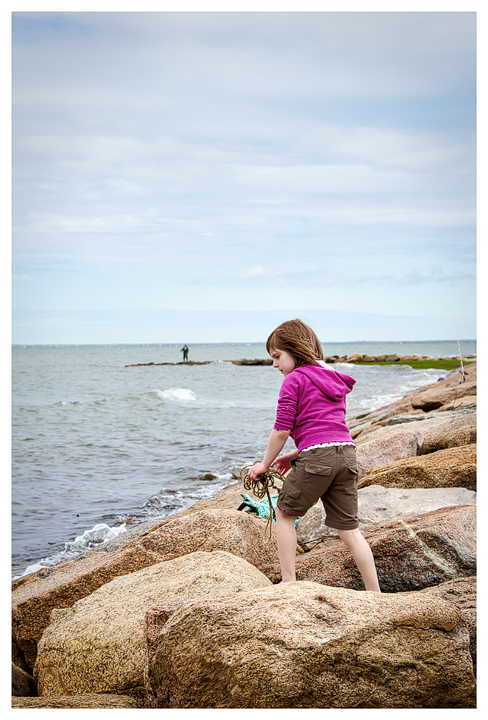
416	362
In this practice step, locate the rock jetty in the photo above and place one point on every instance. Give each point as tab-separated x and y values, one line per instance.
189	612
243	361
355	359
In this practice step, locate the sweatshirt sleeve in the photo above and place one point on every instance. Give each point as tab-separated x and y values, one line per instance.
287	404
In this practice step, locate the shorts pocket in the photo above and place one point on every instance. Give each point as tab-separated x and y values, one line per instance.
317	469
292	490
351	460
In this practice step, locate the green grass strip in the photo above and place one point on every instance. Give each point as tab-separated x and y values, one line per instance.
443	364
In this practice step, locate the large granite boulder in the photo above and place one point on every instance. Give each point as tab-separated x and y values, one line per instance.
378	504
453	432
97	646
410	554
230	530
35	595
391	445
305	645
441	420
452	467
433	397
462	593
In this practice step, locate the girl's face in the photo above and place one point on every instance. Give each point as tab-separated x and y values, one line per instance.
283	361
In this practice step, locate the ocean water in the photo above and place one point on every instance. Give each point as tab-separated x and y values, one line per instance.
98	442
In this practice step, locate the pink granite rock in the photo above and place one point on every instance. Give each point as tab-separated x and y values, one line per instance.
462	594
434	397
409	554
451	467
454	432
98	645
389	446
305	645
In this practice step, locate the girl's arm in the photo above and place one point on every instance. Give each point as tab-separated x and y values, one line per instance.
276	441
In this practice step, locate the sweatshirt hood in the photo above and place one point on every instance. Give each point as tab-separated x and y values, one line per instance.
332	383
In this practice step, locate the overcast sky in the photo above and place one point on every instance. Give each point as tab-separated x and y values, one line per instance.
202	176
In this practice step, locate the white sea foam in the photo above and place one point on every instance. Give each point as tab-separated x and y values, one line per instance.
177	394
99	534
90	539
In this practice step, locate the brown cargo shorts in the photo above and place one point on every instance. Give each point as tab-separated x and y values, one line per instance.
329	473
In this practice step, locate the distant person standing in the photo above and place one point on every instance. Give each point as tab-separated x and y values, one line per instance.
184	350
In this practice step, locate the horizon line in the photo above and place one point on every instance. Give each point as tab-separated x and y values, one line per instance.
230	342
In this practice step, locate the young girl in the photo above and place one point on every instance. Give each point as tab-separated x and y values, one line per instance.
312	409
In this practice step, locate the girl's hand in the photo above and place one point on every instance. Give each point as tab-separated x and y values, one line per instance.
255	470
283	463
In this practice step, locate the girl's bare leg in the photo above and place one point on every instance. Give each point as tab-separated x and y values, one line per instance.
287	544
359	548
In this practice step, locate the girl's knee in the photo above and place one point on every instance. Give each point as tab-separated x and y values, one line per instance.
348	533
351	538
282	516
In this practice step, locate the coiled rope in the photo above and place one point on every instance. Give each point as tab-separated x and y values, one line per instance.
261	489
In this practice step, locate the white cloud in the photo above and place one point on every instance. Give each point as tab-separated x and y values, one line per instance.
258	271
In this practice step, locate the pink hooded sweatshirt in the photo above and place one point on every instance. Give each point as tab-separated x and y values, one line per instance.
312	406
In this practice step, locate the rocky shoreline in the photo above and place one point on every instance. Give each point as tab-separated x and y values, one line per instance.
189	612
355	358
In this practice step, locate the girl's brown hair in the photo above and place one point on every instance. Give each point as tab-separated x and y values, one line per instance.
299	340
